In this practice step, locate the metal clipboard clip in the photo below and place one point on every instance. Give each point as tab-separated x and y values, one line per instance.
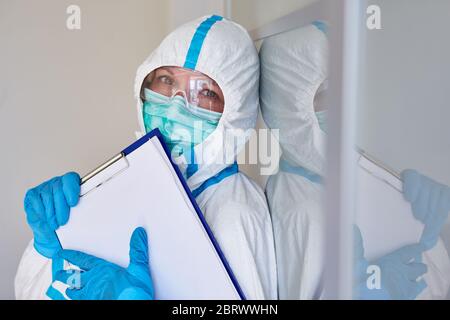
103	173
397	185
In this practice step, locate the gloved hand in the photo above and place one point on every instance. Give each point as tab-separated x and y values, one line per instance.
399	272
360	289
47	207
430	202
103	280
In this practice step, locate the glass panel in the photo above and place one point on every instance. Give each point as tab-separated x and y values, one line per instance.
402	123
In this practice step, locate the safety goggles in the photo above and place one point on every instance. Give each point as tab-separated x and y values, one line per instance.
198	89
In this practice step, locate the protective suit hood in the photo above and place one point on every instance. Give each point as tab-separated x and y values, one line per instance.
222	50
294	65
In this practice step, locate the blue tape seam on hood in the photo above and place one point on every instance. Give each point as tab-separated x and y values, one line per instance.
197	41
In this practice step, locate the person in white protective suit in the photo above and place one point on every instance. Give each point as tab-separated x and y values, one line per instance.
234	206
294	71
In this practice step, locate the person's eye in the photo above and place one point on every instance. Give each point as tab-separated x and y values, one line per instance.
166	80
209	94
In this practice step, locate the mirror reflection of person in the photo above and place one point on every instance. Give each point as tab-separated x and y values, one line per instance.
293	82
200	88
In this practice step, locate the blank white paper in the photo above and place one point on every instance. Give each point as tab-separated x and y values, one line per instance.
382	214
145	191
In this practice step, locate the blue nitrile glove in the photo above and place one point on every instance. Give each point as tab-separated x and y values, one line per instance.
430	202
47	207
103	280
399	272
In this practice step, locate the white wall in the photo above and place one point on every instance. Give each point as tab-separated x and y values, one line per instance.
405	108
66	97
256	13
182	11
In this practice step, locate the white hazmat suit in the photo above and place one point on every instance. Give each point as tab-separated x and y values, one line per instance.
234	206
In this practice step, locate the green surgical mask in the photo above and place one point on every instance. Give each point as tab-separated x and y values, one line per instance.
322	118
182	125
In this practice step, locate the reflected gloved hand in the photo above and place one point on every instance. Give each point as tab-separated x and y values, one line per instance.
47	207
430	202
103	280
398	270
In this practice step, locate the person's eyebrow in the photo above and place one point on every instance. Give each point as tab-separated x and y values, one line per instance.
167	69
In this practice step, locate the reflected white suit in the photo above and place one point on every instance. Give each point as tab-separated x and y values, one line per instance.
293	67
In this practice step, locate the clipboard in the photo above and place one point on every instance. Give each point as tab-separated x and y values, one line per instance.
382	214
186	261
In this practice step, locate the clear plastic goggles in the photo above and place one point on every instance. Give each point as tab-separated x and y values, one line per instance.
197	88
